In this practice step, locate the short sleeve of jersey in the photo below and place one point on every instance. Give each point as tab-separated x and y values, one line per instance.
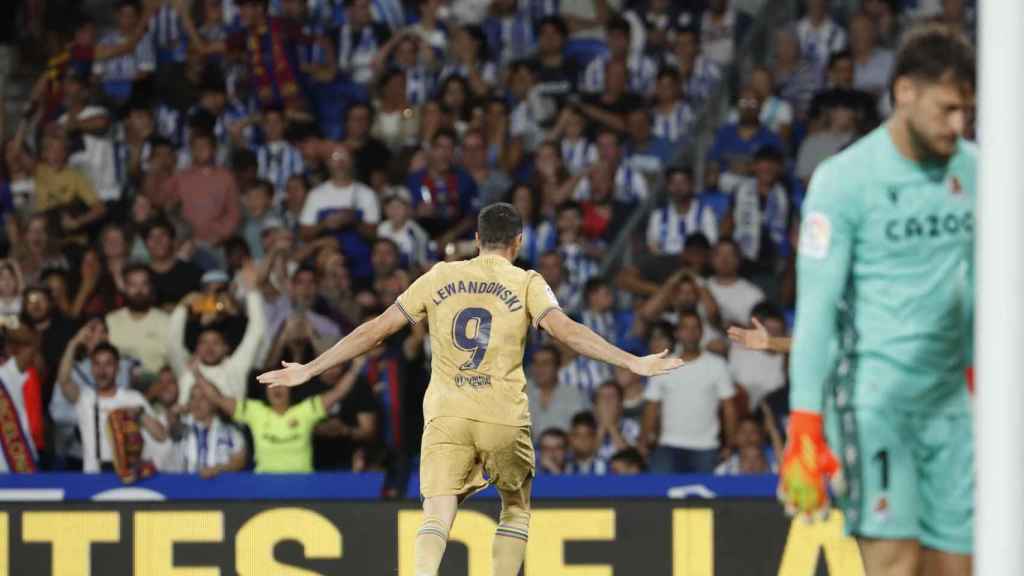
413	302
540	298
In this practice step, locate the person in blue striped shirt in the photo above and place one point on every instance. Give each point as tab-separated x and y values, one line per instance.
278	160
118	74
700	74
510	32
641	69
673	117
630	185
682	214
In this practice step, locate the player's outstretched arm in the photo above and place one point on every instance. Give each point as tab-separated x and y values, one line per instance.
358	342
588	343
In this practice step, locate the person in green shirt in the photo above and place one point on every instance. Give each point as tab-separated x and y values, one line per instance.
282	432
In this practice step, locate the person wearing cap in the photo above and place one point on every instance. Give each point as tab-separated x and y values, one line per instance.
399	227
229	372
21	403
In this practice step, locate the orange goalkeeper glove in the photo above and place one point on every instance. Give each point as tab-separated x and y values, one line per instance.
807	465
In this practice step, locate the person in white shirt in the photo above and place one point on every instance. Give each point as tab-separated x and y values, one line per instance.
681	418
139	329
94	406
735	296
340	204
760	372
95	157
398	225
208	446
229	373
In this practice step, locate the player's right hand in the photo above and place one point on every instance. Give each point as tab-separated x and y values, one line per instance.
755	338
655	364
807	466
292	374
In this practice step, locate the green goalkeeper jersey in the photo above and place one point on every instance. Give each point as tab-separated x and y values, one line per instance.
885	281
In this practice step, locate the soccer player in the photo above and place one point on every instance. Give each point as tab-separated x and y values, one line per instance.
883	325
475	411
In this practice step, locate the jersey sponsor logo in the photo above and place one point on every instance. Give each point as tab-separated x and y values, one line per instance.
551	295
815	236
931	226
955	187
476	381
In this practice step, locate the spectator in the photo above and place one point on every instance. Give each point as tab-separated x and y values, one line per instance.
673	117
282	432
776	113
556	74
444	196
538	233
100	445
172	277
632	387
553	447
469	58
614	433
162	395
102	275
118	74
603	215
357	40
11	286
397	122
840	130
645	152
139	329
208	446
552	267
292	313
751	455
608	107
885	15
641	70
54	330
91	151
735	296
345	209
229	373
39	248
277	159
819	35
399	227
760	372
294	200
208	197
577	151
735	143
872	65
349	431
583	445
720	27
628	184
21	403
796	80
257	204
492	184
552	403
682	214
841	92
683	292
761	212
578	255
700	73
682	411
509	31
370	156
627	462
531	111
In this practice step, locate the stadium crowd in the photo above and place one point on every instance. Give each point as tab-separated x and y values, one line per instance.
203	189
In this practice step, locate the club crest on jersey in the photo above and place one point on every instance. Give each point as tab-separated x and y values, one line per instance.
955	187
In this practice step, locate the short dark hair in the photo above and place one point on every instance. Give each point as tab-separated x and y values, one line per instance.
673	170
630	456
569	205
498	225
356	105
261	184
444	133
160	223
665	328
838	57
556	22
690	313
585	418
550	349
105	347
671	73
933	52
135	267
765	310
698	240
593	285
618	24
613	385
769	152
556	432
160	142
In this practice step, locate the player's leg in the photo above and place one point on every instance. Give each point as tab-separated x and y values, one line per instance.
510	465
939	563
449	470
889	557
945	457
513	531
880	501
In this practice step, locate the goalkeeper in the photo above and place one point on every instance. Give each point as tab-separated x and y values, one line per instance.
883	325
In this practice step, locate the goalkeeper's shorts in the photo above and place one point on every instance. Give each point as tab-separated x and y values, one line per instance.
907	476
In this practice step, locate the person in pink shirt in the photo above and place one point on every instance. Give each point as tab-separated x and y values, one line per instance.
208	199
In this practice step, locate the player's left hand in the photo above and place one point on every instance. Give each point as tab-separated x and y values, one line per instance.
755	338
292	374
655	364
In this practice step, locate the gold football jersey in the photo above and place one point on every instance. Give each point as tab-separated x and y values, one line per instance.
479	313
